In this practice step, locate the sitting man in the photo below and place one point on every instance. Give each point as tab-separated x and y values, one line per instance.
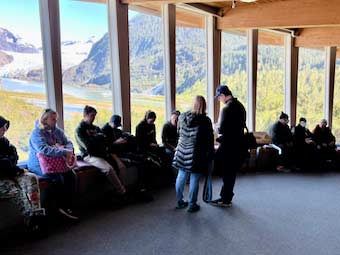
93	148
282	137
304	146
18	184
124	145
325	141
170	134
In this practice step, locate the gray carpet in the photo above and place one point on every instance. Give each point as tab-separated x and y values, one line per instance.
272	214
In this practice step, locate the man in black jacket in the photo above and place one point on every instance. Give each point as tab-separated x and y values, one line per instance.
283	138
231	124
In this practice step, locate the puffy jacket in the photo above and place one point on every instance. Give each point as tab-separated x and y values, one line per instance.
195	146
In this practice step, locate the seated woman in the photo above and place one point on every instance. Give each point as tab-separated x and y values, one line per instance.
16	183
147	144
169	133
49	140
325	141
94	150
146	133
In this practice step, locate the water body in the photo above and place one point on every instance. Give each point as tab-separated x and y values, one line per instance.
39	88
96	94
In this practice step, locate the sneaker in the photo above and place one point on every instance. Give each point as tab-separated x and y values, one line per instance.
181	204
219	202
68	214
282	169
193	208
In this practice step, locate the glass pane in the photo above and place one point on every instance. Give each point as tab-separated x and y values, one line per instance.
85	62
311	80
336	106
270	80
22	87
234	65
146	69
191	66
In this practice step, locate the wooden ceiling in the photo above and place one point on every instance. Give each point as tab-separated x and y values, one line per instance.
315	23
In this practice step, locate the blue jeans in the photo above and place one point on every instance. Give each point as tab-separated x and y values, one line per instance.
193	188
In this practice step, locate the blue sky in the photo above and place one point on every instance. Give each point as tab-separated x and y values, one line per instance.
78	20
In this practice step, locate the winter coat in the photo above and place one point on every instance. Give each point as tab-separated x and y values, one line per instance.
91	140
145	135
8	159
232	122
321	136
281	134
43	141
195	147
169	136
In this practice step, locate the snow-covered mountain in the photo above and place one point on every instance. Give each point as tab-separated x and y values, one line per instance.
23	57
12	43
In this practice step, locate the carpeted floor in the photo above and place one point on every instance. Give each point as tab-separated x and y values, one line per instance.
272	214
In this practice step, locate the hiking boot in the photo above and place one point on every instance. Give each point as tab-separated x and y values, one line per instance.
193	208
219	202
67	213
181	204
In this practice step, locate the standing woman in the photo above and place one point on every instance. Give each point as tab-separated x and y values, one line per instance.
194	152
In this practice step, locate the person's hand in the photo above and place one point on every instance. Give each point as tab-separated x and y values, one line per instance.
69	157
121	140
153	145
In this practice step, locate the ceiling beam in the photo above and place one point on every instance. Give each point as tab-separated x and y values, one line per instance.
201	8
318	37
168	1
282	14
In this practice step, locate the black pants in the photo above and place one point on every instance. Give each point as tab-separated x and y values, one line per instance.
228	163
229	178
63	188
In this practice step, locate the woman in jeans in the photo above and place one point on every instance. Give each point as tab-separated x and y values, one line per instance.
49	140
194	152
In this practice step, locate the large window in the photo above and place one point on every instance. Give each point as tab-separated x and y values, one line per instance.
22	88
336	106
191	66
270	80
311	80
146	69
234	65
85	62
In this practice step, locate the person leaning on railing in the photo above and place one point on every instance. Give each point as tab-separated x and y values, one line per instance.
50	141
17	184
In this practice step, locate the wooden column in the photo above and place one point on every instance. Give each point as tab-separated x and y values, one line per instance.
291	78
50	31
169	44
213	38
329	84
252	37
120	61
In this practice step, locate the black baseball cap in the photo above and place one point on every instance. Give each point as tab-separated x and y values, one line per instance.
117	120
223	89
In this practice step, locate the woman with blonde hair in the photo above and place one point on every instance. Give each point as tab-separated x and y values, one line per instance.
50	141
194	152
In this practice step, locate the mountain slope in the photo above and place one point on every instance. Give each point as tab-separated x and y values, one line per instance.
9	42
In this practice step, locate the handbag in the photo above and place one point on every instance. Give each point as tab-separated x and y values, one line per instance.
54	165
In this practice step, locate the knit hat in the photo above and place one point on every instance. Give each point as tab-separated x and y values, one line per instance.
3	122
284	116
